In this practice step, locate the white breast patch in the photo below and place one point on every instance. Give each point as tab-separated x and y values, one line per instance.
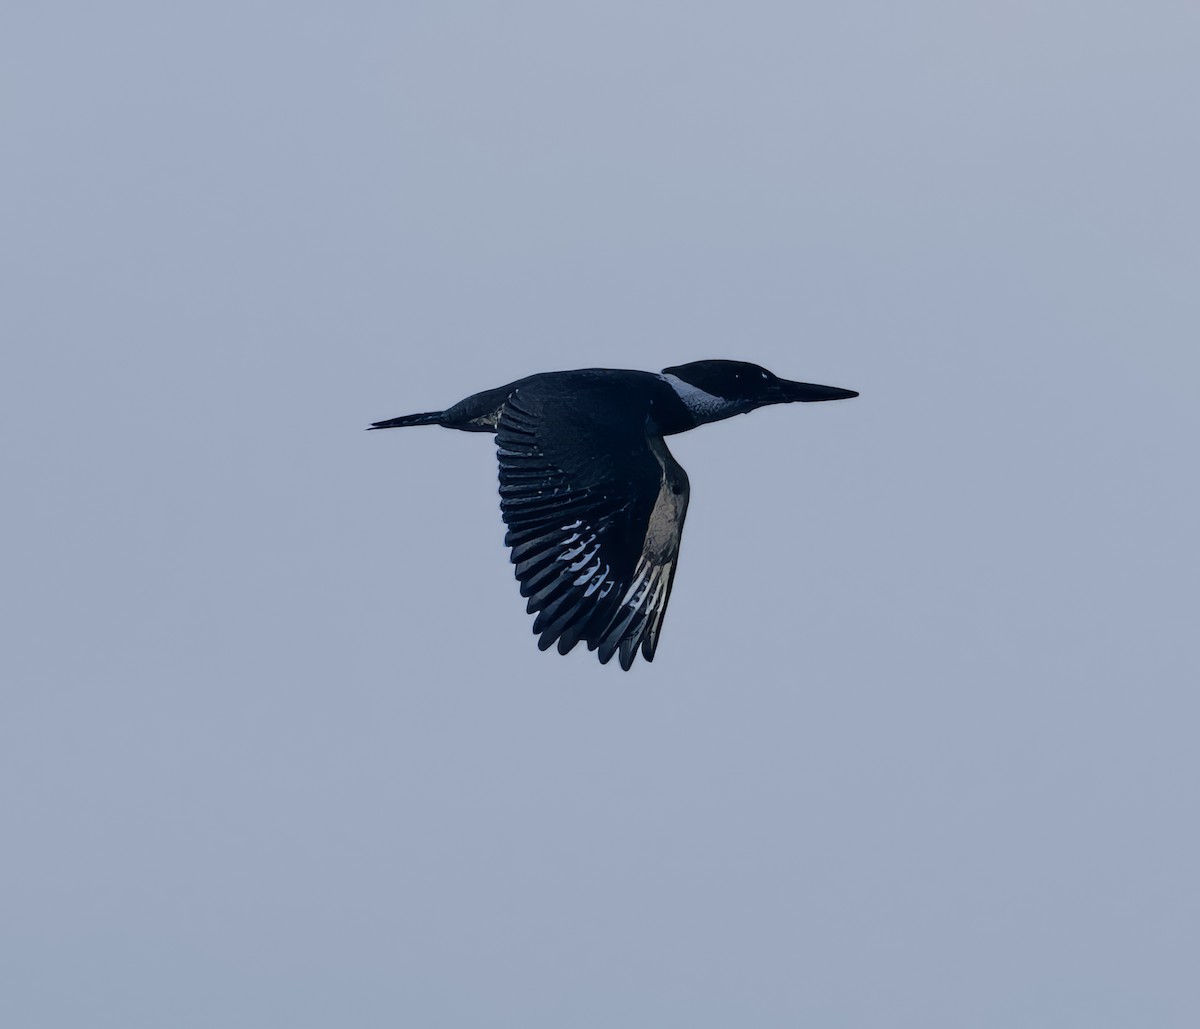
704	407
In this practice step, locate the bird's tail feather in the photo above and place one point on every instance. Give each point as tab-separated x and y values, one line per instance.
425	418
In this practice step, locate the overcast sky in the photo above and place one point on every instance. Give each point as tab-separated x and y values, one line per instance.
919	747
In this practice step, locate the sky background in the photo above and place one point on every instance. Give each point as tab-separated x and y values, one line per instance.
920	744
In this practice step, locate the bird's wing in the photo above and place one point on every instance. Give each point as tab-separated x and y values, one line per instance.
594	511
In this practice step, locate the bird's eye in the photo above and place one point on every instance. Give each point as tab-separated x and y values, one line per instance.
764	375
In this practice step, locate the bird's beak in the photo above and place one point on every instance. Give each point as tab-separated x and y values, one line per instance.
809	392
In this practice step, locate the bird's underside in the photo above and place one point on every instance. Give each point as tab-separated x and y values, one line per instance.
594	508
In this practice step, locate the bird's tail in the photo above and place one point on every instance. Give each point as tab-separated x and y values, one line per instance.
426	418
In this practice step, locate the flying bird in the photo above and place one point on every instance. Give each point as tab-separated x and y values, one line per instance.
593	500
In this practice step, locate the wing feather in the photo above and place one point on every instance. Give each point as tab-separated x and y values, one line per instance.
594	509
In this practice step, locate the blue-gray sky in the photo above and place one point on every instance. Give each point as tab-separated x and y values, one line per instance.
919	747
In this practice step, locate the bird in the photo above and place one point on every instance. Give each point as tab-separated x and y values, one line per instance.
592	499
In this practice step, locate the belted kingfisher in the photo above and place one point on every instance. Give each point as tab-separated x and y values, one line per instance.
593	500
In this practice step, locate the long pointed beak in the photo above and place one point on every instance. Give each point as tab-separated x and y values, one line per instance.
810	392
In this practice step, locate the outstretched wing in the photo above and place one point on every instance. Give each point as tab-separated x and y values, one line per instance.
594	510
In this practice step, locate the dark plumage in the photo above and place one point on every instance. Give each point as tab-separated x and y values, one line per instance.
593	500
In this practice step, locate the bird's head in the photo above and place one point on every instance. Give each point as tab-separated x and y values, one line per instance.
719	389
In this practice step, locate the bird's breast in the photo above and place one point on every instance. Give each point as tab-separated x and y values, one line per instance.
665	525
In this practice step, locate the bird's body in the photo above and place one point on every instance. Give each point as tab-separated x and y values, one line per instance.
593	500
